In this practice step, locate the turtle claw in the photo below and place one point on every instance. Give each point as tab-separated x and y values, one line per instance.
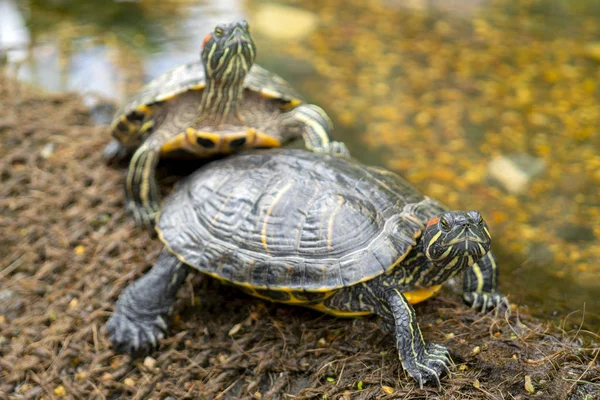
136	335
431	366
484	301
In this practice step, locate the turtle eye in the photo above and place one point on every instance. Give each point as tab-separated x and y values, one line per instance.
445	224
218	31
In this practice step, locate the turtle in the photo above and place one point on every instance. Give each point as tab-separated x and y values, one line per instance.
316	230
216	105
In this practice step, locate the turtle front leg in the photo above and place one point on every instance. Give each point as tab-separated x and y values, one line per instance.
480	284
141	315
316	127
143	196
425	362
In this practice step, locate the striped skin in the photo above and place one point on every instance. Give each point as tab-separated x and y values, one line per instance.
319	231
220	106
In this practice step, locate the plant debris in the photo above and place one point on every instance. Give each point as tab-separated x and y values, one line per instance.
56	299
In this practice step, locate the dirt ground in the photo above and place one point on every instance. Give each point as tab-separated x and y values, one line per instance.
68	249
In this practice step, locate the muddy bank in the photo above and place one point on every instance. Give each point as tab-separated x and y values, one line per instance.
68	249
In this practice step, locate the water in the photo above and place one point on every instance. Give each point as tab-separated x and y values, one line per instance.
438	91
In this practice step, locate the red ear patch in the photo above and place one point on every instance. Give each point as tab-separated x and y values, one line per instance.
433	221
206	39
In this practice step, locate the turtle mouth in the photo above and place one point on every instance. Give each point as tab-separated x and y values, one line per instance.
238	38
467	235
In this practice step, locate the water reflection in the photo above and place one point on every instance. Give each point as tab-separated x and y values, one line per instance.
104	47
465	98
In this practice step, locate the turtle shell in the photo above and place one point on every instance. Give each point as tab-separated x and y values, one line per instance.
293	220
191	76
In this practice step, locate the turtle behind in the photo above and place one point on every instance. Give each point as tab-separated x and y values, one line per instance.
314	230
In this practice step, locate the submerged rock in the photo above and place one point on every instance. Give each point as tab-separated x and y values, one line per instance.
515	172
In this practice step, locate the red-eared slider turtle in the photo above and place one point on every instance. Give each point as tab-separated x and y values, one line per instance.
311	229
217	105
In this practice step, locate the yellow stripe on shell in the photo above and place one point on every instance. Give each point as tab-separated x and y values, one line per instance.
291	104
144	109
331	220
265	140
278	197
255	286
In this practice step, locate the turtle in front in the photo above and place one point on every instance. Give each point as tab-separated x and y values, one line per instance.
217	105
316	230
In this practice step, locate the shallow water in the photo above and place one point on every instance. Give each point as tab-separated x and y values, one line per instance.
443	92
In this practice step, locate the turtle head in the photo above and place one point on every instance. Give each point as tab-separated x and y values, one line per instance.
454	240
228	52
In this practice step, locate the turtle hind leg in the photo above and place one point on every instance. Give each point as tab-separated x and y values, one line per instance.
425	362
480	285
316	127
141	315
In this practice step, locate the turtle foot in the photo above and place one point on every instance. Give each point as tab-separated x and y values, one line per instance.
135	334
338	149
485	301
431	365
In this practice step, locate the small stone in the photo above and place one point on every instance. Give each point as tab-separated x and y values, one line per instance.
106	377
222	358
450	336
235	329
81	375
322	342
79	250
476	384
60	391
283	22
47	151
149	362
387	389
528	385
73	304
515	172
476	350
463	367
258	395
129	382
